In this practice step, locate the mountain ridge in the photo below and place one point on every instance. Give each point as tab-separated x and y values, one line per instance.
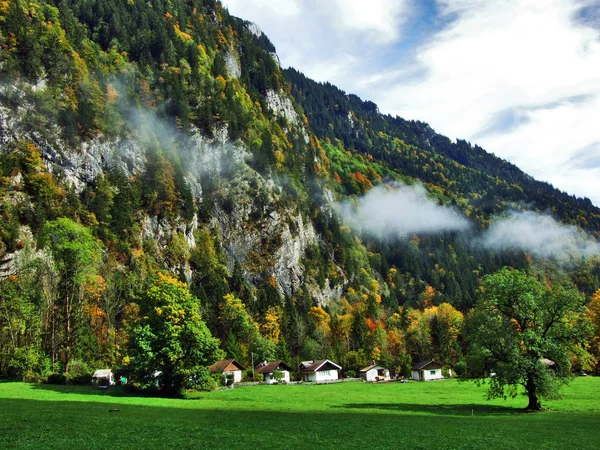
172	136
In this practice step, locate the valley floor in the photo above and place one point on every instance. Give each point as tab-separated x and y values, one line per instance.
444	414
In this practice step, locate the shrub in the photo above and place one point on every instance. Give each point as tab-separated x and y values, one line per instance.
460	368
258	377
350	373
202	380
57	378
79	373
278	375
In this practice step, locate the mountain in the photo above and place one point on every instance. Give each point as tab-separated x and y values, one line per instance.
166	134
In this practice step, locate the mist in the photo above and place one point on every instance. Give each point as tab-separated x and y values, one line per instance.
540	235
398	211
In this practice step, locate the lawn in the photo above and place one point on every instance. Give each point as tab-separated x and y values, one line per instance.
444	414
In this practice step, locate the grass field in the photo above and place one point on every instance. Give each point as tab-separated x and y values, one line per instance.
440	415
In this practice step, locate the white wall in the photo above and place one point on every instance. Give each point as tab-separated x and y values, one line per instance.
237	375
327	375
433	374
270	380
428	374
322	375
372	374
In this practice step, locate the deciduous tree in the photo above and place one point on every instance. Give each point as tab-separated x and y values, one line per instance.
524	332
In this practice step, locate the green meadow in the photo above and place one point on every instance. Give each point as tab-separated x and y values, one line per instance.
442	415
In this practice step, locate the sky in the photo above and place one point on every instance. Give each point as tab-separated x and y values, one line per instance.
520	78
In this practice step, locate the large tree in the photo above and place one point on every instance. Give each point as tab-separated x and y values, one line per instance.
76	254
524	332
172	341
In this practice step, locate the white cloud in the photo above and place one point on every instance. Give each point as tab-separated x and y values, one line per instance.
247	8
528	56
382	17
398	211
539	235
523	54
326	39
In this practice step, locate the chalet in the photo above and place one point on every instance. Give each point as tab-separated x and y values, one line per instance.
268	368
318	371
374	372
427	370
104	377
228	367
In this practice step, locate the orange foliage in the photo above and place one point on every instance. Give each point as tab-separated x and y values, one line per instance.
372	326
111	95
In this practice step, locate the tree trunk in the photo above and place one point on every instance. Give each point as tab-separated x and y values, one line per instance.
534	401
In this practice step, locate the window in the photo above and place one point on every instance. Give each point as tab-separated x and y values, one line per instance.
325	373
432	372
381	372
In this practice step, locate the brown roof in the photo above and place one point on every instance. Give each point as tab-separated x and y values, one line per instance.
372	366
425	364
225	365
315	366
270	367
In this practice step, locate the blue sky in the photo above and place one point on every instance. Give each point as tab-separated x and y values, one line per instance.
521	78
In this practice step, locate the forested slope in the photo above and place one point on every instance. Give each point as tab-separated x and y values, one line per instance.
160	142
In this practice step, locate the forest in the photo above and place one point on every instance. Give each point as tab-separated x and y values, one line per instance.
168	196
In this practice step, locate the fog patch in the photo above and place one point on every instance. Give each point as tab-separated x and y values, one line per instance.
540	235
398	211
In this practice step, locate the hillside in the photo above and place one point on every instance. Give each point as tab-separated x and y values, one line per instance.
163	137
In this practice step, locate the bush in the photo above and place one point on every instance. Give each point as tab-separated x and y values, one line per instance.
79	373
350	373
28	365
460	368
57	378
202	380
258	377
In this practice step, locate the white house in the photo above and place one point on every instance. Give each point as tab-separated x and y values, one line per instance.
319	371
228	367
375	372
267	369
427	370
104	374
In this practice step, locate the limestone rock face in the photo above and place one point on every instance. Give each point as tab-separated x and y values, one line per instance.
254	228
282	107
233	66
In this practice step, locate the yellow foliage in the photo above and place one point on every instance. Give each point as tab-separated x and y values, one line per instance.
185	37
321	318
271	325
111	94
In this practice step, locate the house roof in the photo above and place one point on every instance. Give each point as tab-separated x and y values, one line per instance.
225	365
315	366
269	367
102	373
547	362
372	366
426	364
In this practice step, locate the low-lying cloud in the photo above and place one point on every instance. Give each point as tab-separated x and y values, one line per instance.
539	235
399	211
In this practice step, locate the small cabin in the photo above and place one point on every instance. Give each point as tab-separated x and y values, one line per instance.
267	369
228	367
375	372
427	370
319	371
104	374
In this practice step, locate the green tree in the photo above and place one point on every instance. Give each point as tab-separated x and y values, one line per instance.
519	328
172	339
76	254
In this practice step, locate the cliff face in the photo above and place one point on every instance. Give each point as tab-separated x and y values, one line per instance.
266	238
